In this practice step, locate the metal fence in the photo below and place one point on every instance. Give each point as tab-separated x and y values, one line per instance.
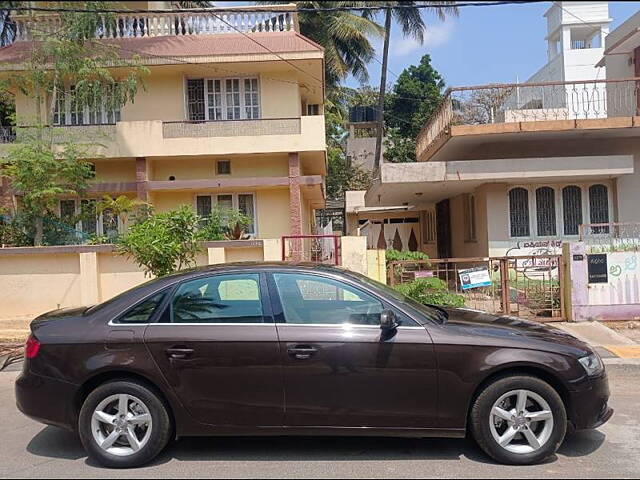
528	286
611	237
7	134
312	248
530	102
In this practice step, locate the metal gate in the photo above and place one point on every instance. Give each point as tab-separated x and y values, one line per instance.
528	286
312	248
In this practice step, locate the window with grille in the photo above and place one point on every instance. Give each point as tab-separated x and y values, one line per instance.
429	227
223	99
599	207
546	211
519	212
470	218
572	209
195	99
203	205
100	109
67	211
223	167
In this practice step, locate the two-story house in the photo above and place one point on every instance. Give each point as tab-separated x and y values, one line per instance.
232	114
518	169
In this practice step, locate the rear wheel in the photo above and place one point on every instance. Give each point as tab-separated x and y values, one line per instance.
124	424
519	420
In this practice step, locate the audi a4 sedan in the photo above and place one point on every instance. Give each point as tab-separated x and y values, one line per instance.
286	349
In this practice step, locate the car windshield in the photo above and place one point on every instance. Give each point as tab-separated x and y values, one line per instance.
422	311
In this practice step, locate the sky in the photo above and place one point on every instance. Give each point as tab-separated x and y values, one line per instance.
494	44
489	44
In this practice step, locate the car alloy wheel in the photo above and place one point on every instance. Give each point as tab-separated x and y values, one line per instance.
121	425
521	422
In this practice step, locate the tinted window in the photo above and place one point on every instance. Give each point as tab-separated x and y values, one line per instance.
310	299
218	299
142	312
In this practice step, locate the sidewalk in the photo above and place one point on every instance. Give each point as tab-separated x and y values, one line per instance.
611	345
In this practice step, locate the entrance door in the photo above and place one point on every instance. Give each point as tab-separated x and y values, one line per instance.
443	227
218	349
340	368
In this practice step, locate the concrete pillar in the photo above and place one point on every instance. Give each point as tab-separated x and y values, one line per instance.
295	206
576	281
216	255
377	265
272	249
141	178
89	278
354	254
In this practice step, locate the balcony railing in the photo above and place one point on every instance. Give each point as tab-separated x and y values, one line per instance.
271	18
231	128
530	102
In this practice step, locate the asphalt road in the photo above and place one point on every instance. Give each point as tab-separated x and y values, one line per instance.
31	450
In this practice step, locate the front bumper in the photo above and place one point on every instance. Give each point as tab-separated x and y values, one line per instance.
46	400
589	405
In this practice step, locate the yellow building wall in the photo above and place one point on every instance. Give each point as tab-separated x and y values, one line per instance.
273	213
33	284
108	170
165	201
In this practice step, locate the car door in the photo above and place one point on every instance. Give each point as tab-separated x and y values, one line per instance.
217	346
340	368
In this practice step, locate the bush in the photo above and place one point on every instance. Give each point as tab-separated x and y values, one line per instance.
164	242
431	291
396	256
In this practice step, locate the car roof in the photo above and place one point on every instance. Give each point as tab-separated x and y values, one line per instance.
235	266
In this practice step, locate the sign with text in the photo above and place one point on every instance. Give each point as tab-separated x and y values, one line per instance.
475	278
598	269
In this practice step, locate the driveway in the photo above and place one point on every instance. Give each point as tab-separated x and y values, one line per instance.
31	450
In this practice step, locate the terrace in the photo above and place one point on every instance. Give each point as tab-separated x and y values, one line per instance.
470	116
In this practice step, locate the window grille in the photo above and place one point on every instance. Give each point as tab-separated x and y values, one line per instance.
572	209
599	207
195	99
519	212
546	211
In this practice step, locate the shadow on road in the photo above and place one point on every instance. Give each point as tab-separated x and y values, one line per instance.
53	442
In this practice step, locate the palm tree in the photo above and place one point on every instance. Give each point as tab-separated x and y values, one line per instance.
409	16
344	35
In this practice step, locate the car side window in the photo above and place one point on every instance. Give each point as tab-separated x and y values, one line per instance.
142	312
311	299
226	298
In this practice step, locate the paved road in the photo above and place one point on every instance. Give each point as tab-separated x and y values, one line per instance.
31	450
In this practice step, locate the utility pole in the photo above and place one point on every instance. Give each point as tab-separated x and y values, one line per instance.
383	84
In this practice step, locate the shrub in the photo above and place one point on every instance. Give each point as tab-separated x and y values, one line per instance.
396	255
431	291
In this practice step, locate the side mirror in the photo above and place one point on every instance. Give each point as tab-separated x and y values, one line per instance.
388	320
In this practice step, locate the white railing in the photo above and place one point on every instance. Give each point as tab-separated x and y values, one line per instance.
529	102
173	22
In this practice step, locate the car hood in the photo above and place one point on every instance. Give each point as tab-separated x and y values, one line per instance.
506	328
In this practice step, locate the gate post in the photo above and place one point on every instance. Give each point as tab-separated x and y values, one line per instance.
504	285
576	288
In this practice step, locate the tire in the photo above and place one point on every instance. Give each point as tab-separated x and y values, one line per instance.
488	426
148	421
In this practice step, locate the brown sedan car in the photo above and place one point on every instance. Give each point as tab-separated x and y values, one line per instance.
275	349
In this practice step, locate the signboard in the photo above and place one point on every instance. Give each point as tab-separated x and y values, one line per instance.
475	278
598	269
424	274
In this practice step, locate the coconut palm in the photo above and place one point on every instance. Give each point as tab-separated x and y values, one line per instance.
344	35
409	16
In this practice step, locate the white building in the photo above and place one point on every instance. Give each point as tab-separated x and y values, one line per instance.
526	177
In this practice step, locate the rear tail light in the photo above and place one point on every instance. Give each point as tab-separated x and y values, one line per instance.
32	347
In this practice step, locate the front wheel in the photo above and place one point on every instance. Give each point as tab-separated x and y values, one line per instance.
123	424
519	420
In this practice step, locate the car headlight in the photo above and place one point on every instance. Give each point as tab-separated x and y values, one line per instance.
592	364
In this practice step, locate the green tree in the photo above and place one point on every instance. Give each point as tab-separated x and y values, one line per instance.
409	16
164	242
415	96
42	174
344	35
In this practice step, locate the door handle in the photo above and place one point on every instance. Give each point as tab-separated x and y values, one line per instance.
302	352
179	353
